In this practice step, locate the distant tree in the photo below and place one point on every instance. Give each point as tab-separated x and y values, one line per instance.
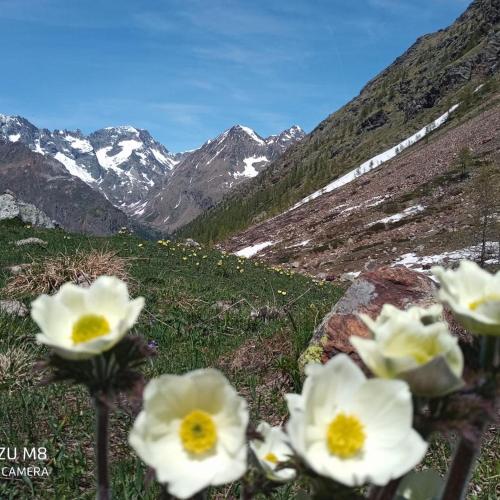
486	200
464	161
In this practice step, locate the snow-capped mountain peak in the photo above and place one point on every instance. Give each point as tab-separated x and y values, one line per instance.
250	132
208	173
124	162
130	168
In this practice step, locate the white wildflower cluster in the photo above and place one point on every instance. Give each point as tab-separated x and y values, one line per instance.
343	426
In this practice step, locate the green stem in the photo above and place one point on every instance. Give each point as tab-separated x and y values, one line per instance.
490	352
102	445
466	452
386	492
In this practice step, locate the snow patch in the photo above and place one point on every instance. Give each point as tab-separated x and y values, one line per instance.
14	137
249	170
301	244
407	212
252	134
112	162
253	250
377	160
82	145
421	262
161	158
74	169
215	155
179	202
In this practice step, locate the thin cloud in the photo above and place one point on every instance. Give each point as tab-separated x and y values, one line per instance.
183	113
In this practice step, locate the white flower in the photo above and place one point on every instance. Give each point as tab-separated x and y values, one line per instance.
414	345
353	429
192	431
473	295
273	450
79	323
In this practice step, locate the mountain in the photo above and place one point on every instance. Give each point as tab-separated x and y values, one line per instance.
135	165
438	71
208	173
125	164
426	205
45	183
138	175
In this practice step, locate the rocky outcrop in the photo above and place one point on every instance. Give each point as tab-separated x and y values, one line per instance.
12	208
398	286
13	308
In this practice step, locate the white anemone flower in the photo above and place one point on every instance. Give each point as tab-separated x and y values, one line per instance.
79	323
414	345
473	295
353	429
192	431
271	451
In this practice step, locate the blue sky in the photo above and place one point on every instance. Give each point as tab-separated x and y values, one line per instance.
188	69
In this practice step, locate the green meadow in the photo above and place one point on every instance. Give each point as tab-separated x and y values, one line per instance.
198	312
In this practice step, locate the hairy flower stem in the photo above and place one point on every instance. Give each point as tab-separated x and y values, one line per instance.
490	347
102	444
461	469
465	454
386	492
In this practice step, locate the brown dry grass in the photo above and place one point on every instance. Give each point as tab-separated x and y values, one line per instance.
81	268
16	367
258	358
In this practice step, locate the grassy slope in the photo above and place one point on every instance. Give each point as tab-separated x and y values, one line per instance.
180	316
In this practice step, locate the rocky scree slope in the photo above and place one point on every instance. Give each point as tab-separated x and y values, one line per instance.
207	174
439	70
418	209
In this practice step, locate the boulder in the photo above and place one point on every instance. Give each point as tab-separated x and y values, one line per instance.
189	242
31	241
13	308
399	286
11	208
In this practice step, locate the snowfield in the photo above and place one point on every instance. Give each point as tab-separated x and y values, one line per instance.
112	162
249	170
377	160
407	212
74	169
253	250
421	262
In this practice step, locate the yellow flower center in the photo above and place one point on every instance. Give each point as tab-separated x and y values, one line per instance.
272	458
198	432
426	350
345	435
421	349
89	327
484	300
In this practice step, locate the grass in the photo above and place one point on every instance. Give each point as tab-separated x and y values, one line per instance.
199	307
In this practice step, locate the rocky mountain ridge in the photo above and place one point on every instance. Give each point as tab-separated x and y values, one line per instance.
122	163
135	172
213	170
